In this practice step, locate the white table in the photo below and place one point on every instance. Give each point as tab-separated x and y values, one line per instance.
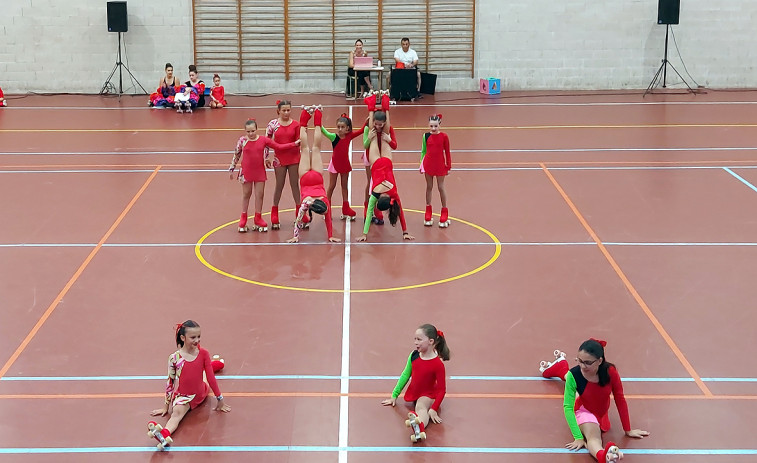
379	69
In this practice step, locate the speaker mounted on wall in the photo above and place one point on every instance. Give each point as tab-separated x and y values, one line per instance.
668	11
117	19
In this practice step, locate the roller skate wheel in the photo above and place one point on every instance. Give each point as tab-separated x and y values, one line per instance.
543	365
161	447
423	436
444	224
150	434
559	354
170	441
243	229
413	439
262	229
151	425
275	226
408	423
428	223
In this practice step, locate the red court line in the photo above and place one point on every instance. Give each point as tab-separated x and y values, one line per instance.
629	286
75	277
378	395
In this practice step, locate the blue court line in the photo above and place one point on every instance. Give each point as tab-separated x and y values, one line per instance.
740	178
329	449
360	378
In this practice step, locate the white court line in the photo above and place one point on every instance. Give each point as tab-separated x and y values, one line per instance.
401	169
458	151
416	105
397	243
344	380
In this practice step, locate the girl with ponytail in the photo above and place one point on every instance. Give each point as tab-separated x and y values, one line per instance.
340	165
196	369
426	374
436	162
587	399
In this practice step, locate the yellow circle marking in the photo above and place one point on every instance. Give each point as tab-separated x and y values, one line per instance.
495	241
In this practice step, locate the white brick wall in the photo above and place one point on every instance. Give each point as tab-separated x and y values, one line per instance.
54	46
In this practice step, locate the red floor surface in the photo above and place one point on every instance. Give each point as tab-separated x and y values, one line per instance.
574	216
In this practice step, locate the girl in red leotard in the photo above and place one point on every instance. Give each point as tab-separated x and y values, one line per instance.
197	370
217	93
587	399
312	191
426	374
340	165
436	163
252	175
378	120
384	195
284	129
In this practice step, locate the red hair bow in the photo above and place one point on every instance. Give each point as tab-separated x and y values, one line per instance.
344	115
440	333
277	102
601	343
178	327
439	116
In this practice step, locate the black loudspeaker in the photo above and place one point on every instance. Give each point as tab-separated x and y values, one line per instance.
668	11
117	21
428	83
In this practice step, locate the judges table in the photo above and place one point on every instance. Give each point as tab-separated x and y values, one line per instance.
356	87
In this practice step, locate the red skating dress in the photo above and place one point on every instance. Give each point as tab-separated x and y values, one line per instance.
253	165
219	94
436	159
287	134
311	184
382	170
186	384
427	379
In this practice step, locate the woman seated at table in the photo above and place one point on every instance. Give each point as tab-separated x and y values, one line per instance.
363	77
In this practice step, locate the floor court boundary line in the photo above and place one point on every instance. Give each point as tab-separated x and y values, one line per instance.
344	382
678	379
366	449
400	169
462	150
371	395
519	166
445	104
53	305
466	128
414	243
740	178
629	286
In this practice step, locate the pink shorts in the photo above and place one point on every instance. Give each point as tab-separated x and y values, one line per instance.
585	416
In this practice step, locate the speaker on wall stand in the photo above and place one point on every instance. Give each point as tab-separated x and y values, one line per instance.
118	22
668	12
